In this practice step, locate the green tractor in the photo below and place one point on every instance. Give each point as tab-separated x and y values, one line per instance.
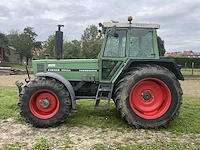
144	88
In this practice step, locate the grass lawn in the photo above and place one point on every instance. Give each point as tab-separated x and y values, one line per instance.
187	122
188	71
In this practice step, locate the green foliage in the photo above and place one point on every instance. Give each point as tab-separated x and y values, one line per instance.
188	61
72	49
49	44
4	45
15	146
23	42
3	41
187	72
68	144
188	120
42	144
8	101
88	47
155	145
99	146
30	33
88	116
36	46
182	56
91	42
161	46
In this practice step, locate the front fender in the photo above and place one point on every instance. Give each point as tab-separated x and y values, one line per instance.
63	80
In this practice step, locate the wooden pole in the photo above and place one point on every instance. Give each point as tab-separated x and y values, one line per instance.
192	68
185	65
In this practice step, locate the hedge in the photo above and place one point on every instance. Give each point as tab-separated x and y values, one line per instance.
187	61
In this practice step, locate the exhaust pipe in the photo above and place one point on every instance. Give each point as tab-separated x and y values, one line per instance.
59	43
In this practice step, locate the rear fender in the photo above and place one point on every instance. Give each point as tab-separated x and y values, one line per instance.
170	64
63	80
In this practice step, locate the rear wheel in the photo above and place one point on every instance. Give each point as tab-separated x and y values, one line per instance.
148	96
45	102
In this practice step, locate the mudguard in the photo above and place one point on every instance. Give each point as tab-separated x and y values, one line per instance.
62	80
170	64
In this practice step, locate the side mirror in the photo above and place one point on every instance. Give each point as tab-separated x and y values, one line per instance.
113	31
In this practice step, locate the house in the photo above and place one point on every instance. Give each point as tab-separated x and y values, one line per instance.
13	57
187	53
174	54
190	53
38	51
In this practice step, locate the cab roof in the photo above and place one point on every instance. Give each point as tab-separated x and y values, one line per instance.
135	25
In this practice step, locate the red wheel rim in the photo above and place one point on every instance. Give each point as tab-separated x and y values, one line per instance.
44	104
150	98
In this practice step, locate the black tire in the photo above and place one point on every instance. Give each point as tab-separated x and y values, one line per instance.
137	96
56	104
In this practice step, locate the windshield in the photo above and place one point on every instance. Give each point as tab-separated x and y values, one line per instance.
141	43
116	46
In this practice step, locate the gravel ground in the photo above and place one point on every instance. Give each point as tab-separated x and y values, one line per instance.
9	80
191	88
84	138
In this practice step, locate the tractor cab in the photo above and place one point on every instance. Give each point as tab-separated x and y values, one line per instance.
124	41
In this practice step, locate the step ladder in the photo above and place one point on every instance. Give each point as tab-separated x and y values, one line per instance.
104	92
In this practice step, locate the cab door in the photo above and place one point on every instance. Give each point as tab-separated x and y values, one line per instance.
113	55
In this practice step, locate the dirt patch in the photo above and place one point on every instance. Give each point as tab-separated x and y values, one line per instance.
9	80
81	138
191	88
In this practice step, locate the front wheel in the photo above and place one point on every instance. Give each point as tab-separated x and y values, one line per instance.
45	102
148	96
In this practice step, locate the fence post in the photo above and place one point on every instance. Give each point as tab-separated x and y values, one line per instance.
185	65
192	68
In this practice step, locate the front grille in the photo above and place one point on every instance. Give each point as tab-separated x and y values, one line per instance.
40	67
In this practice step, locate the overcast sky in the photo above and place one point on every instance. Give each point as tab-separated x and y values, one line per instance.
179	19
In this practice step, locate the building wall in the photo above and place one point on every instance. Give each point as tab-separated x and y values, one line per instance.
13	57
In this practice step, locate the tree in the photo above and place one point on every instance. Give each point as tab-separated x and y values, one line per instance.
37	47
91	42
72	49
161	46
49	45
3	41
4	44
23	42
30	36
30	33
15	41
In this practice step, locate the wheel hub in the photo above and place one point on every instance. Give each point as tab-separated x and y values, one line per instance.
44	103
146	95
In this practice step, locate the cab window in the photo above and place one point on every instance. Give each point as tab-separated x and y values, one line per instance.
116	46
141	43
